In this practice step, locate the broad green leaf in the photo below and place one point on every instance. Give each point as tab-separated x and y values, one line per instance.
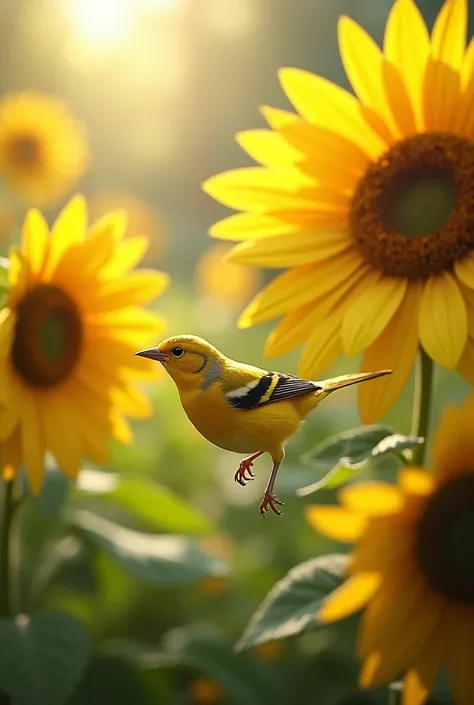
154	504
42	658
164	560
344	455
110	679
291	605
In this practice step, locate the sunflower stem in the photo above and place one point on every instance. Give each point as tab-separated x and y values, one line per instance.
7	516
422	405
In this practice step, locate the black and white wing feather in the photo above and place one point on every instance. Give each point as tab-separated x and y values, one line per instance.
271	387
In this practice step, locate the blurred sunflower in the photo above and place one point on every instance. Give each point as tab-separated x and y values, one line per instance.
68	333
412	567
141	218
206	691
369	201
43	148
222	280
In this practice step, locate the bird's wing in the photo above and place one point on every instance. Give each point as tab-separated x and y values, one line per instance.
268	388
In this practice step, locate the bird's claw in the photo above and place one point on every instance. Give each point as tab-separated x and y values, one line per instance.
241	476
270	501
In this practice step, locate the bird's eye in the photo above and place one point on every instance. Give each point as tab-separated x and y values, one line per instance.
177	351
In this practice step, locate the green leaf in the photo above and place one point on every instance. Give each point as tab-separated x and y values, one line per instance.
156	505
162	560
291	605
42	658
344	455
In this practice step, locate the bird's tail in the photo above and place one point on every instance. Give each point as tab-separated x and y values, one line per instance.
330	385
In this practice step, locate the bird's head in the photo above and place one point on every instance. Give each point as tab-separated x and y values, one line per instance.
189	360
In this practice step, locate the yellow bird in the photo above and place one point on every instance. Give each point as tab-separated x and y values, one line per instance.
243	408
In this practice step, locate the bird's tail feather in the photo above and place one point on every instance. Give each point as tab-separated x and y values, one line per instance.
330	385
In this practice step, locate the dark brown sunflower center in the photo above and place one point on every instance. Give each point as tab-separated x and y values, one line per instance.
48	336
445	542
25	150
412	214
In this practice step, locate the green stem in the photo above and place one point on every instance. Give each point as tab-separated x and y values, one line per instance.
394	694
422	404
7	516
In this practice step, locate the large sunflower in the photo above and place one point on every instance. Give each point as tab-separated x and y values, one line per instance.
68	333
43	148
369	202
412	567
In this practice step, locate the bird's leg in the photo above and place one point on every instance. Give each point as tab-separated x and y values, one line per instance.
270	500
244	467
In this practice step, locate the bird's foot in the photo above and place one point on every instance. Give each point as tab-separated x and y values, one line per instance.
270	501
244	467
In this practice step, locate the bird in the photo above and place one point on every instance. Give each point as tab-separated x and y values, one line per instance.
242	408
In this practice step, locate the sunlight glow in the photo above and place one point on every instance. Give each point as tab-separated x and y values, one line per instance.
162	5
102	21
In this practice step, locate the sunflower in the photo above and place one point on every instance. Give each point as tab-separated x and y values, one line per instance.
43	149
68	331
368	202
412	567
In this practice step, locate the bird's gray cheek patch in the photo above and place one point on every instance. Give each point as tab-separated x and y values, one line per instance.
211	373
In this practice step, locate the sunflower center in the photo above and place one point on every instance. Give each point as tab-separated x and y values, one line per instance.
48	336
446	538
412	214
25	150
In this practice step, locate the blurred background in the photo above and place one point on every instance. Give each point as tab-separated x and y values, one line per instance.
161	87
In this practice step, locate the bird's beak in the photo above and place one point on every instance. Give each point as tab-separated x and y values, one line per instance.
153	354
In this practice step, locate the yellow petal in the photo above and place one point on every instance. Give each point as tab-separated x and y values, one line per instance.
395	604
384	547
32	442
371	312
324	103
394	349
125	323
442	79
18	276
351	597
460	637
372	499
323	146
448	39
443	320
247	226
399	100
291	250
465	270
424	668
11	396
467	65
126	256
256	189
406	46
277	118
69	229
335	522
363	64
35	240
131	290
298	287
268	148
62	427
323	346
416	482
410	638
132	401
121	430
290	332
